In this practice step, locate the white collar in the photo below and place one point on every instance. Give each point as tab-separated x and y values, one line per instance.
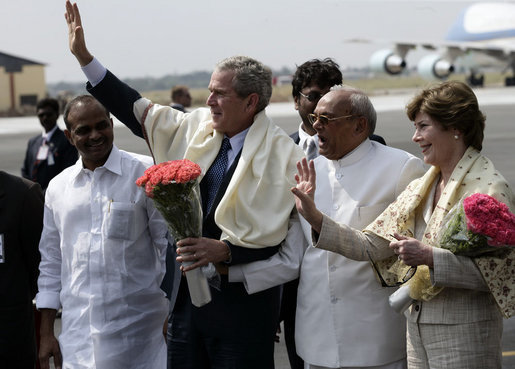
48	135
355	155
304	137
112	164
237	140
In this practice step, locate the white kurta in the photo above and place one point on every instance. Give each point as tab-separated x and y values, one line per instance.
343	317
102	259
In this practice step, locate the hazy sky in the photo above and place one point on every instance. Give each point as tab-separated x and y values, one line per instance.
158	37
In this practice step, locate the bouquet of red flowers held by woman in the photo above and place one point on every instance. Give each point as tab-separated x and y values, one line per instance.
476	225
174	188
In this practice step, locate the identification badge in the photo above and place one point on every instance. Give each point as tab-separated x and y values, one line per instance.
42	152
50	161
2	255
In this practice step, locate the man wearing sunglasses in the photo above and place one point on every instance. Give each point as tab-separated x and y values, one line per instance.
312	80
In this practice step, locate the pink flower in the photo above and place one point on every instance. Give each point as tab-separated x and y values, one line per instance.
491	218
149	190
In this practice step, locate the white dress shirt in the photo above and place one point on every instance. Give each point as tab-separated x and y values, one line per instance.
102	259
304	139
236	144
48	135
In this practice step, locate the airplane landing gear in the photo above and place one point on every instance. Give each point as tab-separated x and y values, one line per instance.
476	80
509	81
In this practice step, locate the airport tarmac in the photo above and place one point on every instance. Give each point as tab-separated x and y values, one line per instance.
497	104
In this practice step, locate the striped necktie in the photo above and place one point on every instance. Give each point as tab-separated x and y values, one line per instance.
216	172
311	151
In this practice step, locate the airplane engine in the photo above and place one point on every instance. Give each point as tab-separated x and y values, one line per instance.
434	66
387	61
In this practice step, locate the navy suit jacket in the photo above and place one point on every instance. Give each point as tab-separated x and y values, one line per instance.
21	222
39	171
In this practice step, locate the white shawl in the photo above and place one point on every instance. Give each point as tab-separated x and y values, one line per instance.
256	206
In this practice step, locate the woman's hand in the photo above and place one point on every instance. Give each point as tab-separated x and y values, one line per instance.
411	251
305	194
76	39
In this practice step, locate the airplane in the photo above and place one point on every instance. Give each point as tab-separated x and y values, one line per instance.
484	29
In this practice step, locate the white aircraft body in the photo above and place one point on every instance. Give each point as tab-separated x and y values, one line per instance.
484	29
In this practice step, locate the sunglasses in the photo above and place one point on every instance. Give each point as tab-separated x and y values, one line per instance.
312	96
410	273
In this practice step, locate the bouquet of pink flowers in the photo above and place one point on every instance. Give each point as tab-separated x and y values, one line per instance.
476	225
174	187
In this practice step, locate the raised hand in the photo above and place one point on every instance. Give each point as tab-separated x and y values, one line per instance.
76	40
305	194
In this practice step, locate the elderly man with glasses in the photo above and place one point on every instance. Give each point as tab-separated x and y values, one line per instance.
343	316
312	80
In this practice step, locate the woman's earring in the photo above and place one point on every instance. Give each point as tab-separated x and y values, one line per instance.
456	137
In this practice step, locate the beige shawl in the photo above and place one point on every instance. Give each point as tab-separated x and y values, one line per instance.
256	206
474	173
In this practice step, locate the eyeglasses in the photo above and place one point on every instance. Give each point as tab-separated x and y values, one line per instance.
410	273
324	119
312	96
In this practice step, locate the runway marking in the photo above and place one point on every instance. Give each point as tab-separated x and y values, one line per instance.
508	353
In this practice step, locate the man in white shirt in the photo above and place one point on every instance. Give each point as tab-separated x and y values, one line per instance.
102	255
312	80
343	318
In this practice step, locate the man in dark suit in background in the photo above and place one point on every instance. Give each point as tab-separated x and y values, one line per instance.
48	153
21	221
181	98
